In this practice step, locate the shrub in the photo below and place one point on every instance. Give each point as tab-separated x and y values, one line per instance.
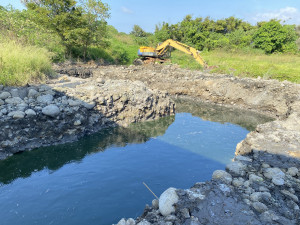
20	65
273	37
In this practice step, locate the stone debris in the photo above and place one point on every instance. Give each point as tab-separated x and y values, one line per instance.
248	199
65	110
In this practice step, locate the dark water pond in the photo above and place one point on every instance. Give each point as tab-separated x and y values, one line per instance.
98	180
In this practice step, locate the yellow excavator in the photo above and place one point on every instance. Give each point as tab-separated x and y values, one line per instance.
162	51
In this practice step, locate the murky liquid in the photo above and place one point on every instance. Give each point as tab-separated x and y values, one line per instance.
99	179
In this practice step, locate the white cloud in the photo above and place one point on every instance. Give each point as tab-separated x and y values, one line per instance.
126	10
288	15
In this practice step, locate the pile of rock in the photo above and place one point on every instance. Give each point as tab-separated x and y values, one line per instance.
268	96
252	190
69	108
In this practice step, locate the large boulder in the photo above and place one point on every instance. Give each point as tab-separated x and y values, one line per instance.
46	99
167	200
222	176
51	110
4	95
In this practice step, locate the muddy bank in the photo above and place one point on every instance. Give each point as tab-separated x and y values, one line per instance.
68	108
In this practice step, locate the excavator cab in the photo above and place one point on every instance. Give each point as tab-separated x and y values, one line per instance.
162	51
145	51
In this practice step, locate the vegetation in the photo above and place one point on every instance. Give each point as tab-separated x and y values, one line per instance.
22	64
78	25
230	33
255	64
58	30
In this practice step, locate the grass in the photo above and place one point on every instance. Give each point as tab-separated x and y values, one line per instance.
185	61
20	65
245	64
255	64
123	48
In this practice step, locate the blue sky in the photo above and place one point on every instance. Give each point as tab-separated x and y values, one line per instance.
126	13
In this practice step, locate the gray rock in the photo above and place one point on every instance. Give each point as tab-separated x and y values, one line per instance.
222	176
4	111
51	110
259	207
166	201
18	115
263	189
255	178
290	195
242	158
32	93
185	213
122	222
293	171
14	93
246	183
45	99
274	173
30	112
238	182
1	102
13	101
170	218
265	165
89	105
77	123
130	221
269	216
144	222
43	88
236	168
4	95
74	102
257	196
1	87
155	203
278	181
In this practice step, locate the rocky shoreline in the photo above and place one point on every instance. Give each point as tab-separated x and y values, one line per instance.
68	108
259	189
261	185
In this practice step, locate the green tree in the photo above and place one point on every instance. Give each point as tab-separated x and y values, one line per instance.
78	23
140	36
137	31
272	37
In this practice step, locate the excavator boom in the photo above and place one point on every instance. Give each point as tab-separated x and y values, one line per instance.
163	48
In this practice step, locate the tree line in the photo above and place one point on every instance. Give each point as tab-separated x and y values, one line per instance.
229	33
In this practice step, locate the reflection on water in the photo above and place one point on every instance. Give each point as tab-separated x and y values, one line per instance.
221	114
98	180
54	157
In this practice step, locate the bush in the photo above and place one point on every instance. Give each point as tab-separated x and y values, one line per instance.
20	26
273	37
20	65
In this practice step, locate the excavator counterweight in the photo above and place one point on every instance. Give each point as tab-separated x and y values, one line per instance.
163	51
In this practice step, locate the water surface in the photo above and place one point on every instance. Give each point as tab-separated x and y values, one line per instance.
98	180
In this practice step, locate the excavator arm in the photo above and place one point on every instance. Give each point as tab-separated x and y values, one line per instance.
163	48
